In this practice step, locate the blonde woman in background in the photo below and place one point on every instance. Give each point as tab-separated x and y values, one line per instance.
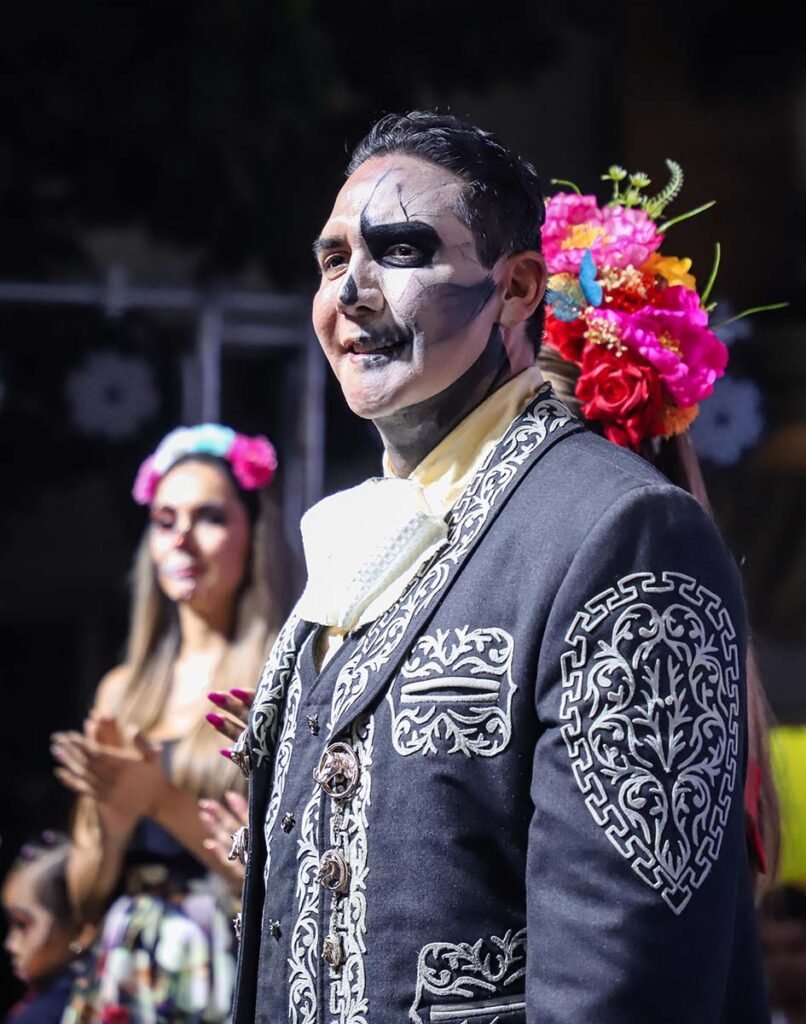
209	593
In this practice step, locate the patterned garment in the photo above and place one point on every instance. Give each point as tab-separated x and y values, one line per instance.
161	957
516	796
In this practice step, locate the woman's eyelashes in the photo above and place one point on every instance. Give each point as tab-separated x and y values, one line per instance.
166	520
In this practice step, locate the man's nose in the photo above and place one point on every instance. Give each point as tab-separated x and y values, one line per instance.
360	290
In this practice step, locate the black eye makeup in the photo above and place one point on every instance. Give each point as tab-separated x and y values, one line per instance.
405	244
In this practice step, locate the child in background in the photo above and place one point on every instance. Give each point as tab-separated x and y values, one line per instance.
42	941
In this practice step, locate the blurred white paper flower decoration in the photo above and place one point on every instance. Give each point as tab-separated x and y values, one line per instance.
736	330
112	395
730	421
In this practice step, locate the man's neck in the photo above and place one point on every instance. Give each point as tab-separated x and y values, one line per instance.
411	433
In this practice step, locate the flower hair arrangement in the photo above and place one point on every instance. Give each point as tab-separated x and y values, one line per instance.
628	316
253	459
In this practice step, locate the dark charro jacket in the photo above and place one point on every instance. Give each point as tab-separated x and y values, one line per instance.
517	795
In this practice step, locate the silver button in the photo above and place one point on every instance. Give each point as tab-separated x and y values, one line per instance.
338	771
240	845
242	760
274	929
332	951
334	872
313	724
288	822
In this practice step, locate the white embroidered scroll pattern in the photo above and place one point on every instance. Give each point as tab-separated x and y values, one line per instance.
268	700
282	759
303	960
465	521
454	694
349	1002
482	972
651	713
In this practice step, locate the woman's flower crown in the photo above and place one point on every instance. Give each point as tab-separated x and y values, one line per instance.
629	317
253	459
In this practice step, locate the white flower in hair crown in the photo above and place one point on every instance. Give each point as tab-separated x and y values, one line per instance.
253	459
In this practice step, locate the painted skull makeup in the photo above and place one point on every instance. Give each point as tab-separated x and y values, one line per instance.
405	308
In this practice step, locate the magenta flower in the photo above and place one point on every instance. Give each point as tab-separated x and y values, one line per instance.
253	461
673	335
145	484
616	236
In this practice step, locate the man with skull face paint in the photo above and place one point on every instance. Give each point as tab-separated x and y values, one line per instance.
496	755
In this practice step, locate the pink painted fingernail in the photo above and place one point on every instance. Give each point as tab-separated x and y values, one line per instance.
219	699
214	719
224	752
242	695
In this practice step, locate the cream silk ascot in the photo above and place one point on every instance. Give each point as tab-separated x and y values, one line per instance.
364	545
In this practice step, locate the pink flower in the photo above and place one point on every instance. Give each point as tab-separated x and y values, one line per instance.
145	484
115	1015
253	460
673	336
615	235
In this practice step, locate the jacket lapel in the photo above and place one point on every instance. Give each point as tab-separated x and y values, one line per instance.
542	424
266	712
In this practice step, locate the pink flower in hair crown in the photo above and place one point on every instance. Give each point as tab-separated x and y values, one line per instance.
145	484
614	235
253	461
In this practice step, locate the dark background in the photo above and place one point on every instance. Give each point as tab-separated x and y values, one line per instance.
203	142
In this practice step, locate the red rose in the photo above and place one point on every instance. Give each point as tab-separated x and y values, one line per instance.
567	338
622	392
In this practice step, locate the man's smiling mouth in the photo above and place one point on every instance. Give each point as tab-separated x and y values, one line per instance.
378	345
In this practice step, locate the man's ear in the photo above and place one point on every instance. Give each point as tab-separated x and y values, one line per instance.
524	279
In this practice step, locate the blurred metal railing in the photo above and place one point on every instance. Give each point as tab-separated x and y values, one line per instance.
224	319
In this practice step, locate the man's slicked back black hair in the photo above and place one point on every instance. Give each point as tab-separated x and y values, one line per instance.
502	202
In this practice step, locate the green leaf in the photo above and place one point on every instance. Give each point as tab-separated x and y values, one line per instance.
712	276
749	312
570	184
686	216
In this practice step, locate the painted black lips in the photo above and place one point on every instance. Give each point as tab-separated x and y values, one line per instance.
375	342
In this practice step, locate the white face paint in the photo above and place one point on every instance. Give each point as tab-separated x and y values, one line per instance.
404	307
199	536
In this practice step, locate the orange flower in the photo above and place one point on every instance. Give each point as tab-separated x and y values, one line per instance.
675	419
674	270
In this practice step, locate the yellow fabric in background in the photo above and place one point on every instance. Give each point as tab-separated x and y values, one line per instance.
788	755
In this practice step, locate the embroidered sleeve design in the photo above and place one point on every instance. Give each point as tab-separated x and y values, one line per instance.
467	518
454	694
651	713
479	978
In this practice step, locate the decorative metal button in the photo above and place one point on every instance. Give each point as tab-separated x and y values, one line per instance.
237	924
313	723
334	872
242	759
240	845
288	822
332	951
337	772
274	929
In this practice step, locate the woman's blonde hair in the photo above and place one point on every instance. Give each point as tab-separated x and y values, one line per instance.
154	640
